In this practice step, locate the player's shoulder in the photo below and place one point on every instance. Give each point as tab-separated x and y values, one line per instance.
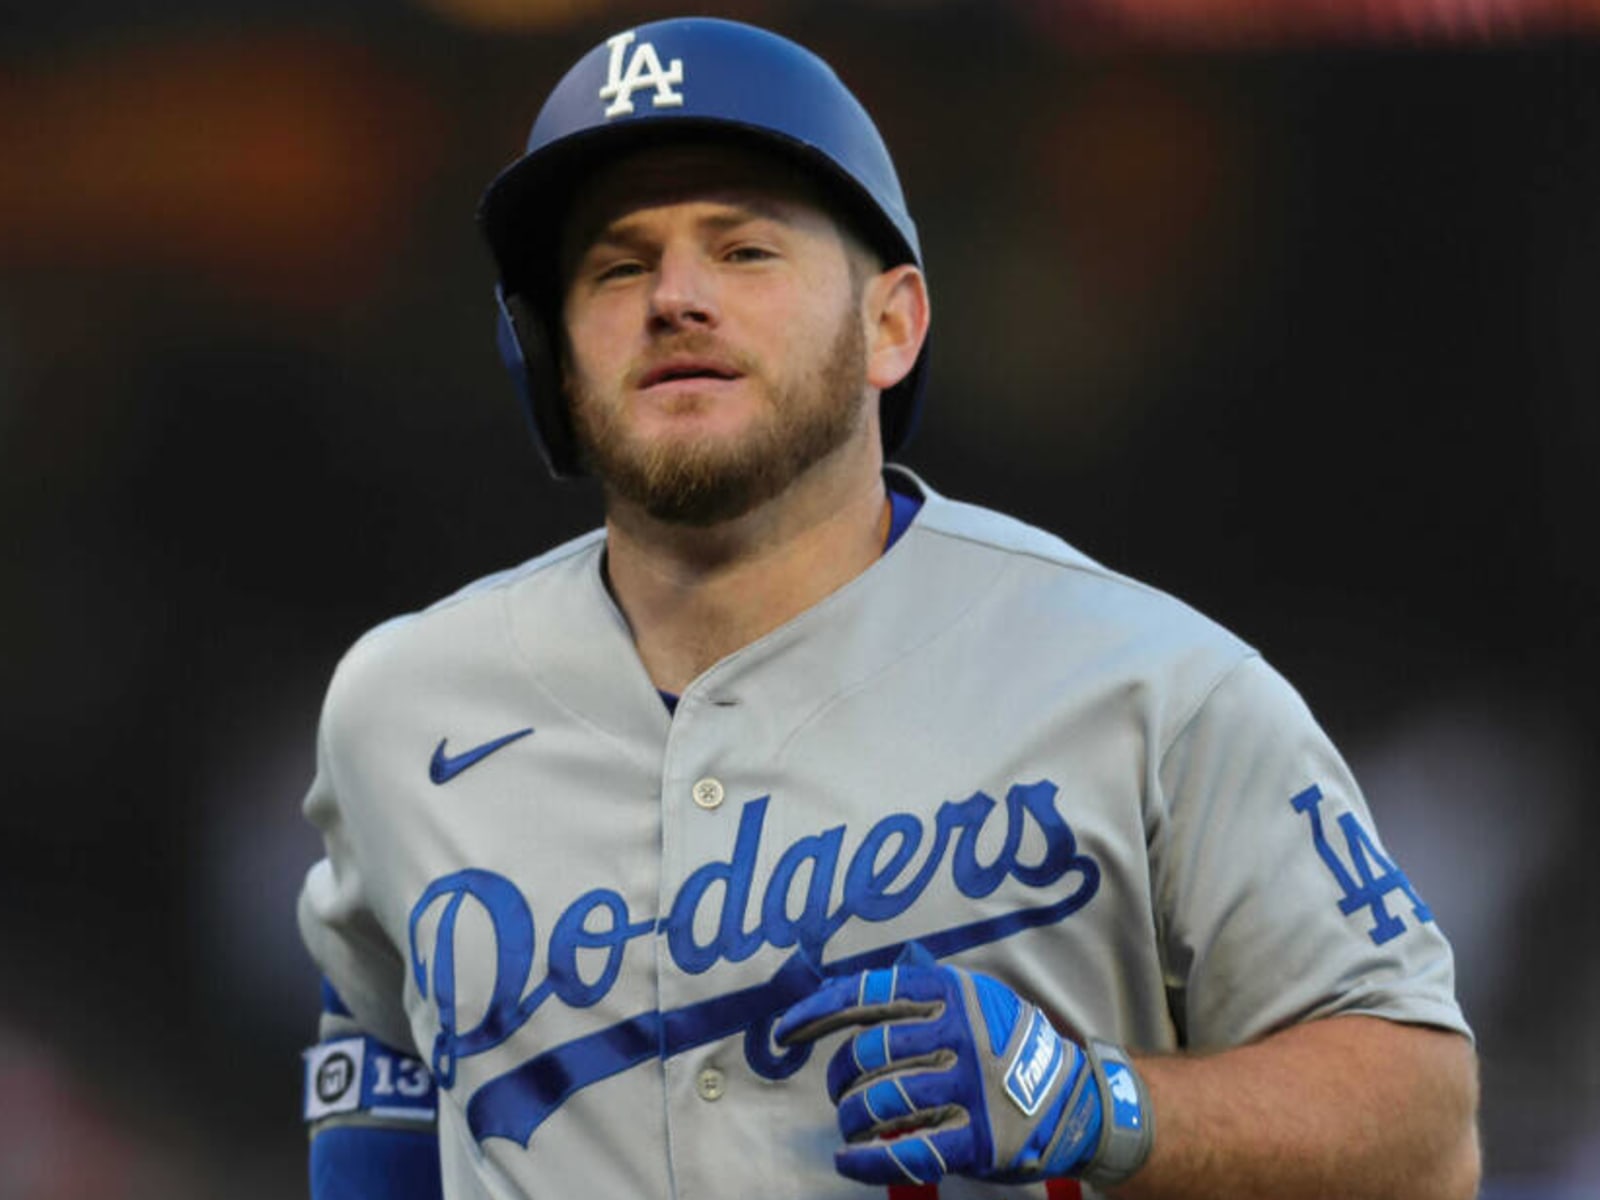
465	626
1001	535
1038	571
1040	557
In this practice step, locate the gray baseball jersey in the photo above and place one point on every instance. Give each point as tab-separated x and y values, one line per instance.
582	912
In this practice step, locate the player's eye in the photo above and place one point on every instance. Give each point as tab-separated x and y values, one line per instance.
747	252
618	269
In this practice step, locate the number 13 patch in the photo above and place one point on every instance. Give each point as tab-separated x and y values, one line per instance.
1368	878
362	1075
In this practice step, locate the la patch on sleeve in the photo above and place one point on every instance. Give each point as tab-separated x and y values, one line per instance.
1368	877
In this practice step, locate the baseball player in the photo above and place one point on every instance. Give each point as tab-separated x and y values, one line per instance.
803	833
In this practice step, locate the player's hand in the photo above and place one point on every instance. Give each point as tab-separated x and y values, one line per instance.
953	1073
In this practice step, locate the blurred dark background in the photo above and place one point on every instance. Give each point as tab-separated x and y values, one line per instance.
1288	312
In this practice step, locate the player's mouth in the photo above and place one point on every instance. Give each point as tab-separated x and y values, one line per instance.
687	371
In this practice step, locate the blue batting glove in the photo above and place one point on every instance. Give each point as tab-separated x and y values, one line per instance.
954	1073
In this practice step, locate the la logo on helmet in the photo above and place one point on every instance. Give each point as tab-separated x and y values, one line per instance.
643	69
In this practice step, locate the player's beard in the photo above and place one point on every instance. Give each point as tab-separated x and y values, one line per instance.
711	479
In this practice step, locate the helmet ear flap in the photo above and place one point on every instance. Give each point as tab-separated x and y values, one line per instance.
523	340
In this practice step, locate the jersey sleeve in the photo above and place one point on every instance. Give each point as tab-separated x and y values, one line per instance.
337	923
1276	902
370	1102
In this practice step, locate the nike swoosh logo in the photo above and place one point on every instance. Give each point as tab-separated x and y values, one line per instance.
446	767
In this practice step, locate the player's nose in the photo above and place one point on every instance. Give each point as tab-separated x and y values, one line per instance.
684	290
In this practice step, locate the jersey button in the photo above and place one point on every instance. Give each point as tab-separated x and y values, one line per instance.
710	1083
708	792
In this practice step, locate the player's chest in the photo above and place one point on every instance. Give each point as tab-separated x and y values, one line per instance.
739	836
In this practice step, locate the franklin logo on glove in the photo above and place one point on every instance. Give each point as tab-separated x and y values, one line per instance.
1037	1065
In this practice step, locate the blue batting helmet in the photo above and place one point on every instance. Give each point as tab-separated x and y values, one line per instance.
691	77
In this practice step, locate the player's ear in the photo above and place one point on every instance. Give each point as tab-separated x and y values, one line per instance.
895	308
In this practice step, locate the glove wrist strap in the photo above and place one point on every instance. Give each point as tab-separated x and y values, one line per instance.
1127	1121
